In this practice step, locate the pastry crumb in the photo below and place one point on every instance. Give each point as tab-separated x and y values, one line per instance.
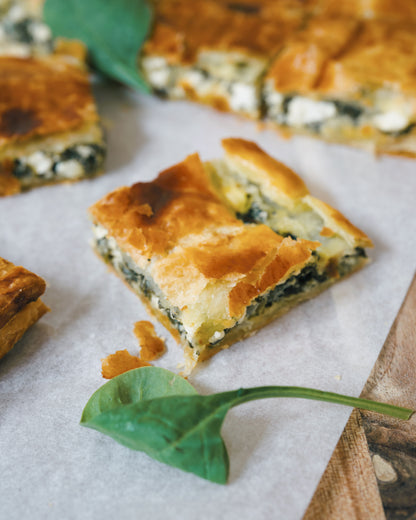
152	347
120	362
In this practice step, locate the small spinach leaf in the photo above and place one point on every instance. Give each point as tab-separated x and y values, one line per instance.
135	386
113	31
184	430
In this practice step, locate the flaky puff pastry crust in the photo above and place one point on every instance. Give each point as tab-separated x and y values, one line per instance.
40	97
20	304
343	56
179	223
182	29
151	218
285	187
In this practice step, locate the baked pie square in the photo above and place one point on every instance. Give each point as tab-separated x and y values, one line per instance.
216	250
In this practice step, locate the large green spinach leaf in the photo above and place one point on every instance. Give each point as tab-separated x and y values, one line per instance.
113	31
179	427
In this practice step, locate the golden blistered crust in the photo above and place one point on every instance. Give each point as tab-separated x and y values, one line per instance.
339	56
150	218
276	180
243	264
335	221
40	97
18	287
303	60
18	325
222	26
380	56
265	169
390	10
20	304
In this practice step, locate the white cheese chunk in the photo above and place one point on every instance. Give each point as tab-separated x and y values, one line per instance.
41	163
391	121
303	111
69	169
40	32
84	150
16	13
243	97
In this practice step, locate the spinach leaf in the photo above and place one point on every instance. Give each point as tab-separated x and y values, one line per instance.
135	386
184	429
113	31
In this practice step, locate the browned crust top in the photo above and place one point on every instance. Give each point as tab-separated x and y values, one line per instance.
335	55
150	218
18	287
184	28
39	97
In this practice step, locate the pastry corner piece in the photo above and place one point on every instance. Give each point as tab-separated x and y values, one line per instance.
20	303
49	126
216	250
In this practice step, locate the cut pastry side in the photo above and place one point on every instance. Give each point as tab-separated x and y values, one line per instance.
49	127
181	243
340	80
218	57
20	303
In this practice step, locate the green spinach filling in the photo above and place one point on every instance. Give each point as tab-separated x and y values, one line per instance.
73	162
356	113
302	282
138	280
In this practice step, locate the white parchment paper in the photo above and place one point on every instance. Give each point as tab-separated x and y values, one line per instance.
50	467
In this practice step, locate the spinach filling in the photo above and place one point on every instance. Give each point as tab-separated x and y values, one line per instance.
302	282
28	31
125	266
88	156
343	109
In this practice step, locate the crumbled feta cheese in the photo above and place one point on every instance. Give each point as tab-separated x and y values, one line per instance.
40	32
243	97
391	121
155	301
41	163
274	100
157	71
195	78
84	150
216	336
100	232
303	111
69	169
158	78
16	13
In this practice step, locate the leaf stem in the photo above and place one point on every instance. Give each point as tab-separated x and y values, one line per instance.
244	395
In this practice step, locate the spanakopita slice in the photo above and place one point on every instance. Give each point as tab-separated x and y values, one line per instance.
49	126
217	250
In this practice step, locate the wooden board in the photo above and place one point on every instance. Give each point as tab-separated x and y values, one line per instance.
372	472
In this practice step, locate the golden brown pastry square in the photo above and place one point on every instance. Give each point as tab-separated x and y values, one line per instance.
347	81
20	303
217	250
49	126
